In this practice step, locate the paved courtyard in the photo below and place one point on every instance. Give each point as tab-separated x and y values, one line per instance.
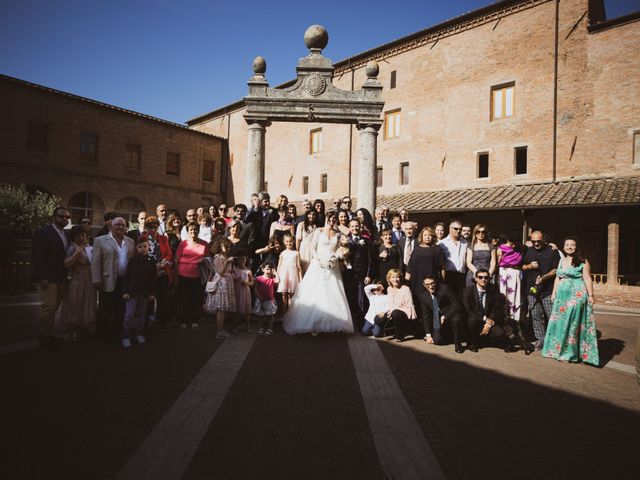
324	407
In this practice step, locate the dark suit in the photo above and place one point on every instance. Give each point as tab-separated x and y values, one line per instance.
134	234
381	225
262	224
362	266
47	257
494	309
449	306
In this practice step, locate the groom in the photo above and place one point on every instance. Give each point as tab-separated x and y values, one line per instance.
358	273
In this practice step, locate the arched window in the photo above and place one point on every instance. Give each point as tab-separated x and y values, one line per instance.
129	207
86	204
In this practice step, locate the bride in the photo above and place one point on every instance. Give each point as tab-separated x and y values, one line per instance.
320	304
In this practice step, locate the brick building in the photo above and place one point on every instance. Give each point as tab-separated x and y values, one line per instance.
522	114
98	157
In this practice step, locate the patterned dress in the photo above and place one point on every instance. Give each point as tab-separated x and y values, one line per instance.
224	297
79	304
243	292
571	334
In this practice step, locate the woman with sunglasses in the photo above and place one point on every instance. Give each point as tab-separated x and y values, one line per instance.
480	253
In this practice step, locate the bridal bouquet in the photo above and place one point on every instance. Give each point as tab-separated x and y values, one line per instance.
329	263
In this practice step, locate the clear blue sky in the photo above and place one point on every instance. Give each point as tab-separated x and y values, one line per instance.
176	59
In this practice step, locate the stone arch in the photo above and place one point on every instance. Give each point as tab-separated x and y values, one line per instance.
129	207
314	98
86	204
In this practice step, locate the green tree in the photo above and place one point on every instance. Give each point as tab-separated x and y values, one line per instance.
22	212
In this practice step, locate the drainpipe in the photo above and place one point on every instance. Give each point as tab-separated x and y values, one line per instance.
351	137
225	176
555	92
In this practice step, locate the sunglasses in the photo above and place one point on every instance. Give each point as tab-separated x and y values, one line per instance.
432	284
481	231
483	277
536	241
456	228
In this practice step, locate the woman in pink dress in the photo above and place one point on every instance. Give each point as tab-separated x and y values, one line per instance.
243	281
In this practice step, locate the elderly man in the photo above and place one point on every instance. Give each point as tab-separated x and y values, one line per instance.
109	261
454	248
306	208
161	213
407	244
539	269
380	223
49	275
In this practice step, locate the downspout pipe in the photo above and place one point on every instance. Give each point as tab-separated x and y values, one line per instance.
555	93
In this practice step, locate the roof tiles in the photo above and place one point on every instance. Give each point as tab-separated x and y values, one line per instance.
588	192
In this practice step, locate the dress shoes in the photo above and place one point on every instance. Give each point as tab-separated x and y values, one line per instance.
528	348
459	348
510	348
473	348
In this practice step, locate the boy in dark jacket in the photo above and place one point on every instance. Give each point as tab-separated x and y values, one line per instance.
140	284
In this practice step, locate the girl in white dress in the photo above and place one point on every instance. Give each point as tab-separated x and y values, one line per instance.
320	304
289	271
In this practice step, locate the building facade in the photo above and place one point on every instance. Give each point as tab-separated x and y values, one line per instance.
522	115
97	157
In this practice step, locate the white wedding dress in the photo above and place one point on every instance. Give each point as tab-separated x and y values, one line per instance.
320	304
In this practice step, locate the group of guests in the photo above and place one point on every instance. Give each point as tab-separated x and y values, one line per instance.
248	260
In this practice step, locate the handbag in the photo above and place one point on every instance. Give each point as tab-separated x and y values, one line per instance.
212	282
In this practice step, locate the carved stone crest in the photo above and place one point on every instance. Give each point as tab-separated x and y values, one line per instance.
314	84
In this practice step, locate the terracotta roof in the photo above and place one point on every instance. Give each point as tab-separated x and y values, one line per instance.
590	192
36	86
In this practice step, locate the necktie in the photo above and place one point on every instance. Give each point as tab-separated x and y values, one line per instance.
481	304
436	313
407	250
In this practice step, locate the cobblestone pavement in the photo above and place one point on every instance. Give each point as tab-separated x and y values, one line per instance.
295	409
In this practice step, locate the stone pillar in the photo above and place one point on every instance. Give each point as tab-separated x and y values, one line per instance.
254	180
367	167
613	250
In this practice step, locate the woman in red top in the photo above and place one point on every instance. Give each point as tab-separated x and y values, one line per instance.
189	288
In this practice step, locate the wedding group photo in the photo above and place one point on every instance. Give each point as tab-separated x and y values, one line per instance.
381	267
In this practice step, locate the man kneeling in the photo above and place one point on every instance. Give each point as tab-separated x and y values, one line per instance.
441	313
485	308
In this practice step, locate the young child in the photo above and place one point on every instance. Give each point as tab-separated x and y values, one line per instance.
140	285
289	271
265	304
223	298
375	318
243	281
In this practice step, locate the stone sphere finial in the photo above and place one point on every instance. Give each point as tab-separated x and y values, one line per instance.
259	66
372	69
316	37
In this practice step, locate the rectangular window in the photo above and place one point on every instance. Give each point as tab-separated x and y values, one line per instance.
315	140
378	177
521	160
133	155
207	170
305	185
323	183
636	148
392	124
483	165
404	173
173	164
88	147
392	83
502	101
38	137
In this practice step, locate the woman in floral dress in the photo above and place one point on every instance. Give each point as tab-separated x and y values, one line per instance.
571	334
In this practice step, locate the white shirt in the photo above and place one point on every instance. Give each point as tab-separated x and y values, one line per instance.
454	255
123	256
205	233
377	303
408	250
162	227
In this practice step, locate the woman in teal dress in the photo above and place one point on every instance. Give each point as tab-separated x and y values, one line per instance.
571	334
